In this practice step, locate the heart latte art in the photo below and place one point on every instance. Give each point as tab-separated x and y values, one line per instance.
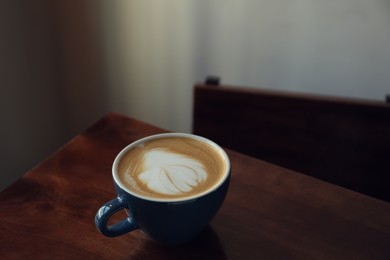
170	173
171	167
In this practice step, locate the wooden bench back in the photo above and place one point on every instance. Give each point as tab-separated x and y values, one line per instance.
339	140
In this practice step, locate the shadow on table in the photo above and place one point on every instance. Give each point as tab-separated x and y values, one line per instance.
206	246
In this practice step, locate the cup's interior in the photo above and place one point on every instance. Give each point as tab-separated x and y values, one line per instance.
139	142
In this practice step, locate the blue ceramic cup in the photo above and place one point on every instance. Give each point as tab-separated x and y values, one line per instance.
167	220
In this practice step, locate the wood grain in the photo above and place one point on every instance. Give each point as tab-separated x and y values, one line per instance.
270	212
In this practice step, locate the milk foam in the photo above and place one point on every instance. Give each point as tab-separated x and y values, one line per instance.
170	173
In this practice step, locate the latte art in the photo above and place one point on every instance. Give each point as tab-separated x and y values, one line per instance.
171	173
171	168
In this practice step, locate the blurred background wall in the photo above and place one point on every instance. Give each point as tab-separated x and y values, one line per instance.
65	63
51	79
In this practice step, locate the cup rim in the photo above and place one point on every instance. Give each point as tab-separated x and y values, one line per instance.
119	156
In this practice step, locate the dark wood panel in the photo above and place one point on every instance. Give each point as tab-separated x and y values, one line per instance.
343	141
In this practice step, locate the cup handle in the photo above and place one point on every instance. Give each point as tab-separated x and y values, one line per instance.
104	214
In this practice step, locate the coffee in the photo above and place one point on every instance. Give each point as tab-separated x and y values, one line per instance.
172	167
170	185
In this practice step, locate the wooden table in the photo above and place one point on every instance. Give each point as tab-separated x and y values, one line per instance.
270	212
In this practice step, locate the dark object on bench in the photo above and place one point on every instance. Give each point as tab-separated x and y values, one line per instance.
340	140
